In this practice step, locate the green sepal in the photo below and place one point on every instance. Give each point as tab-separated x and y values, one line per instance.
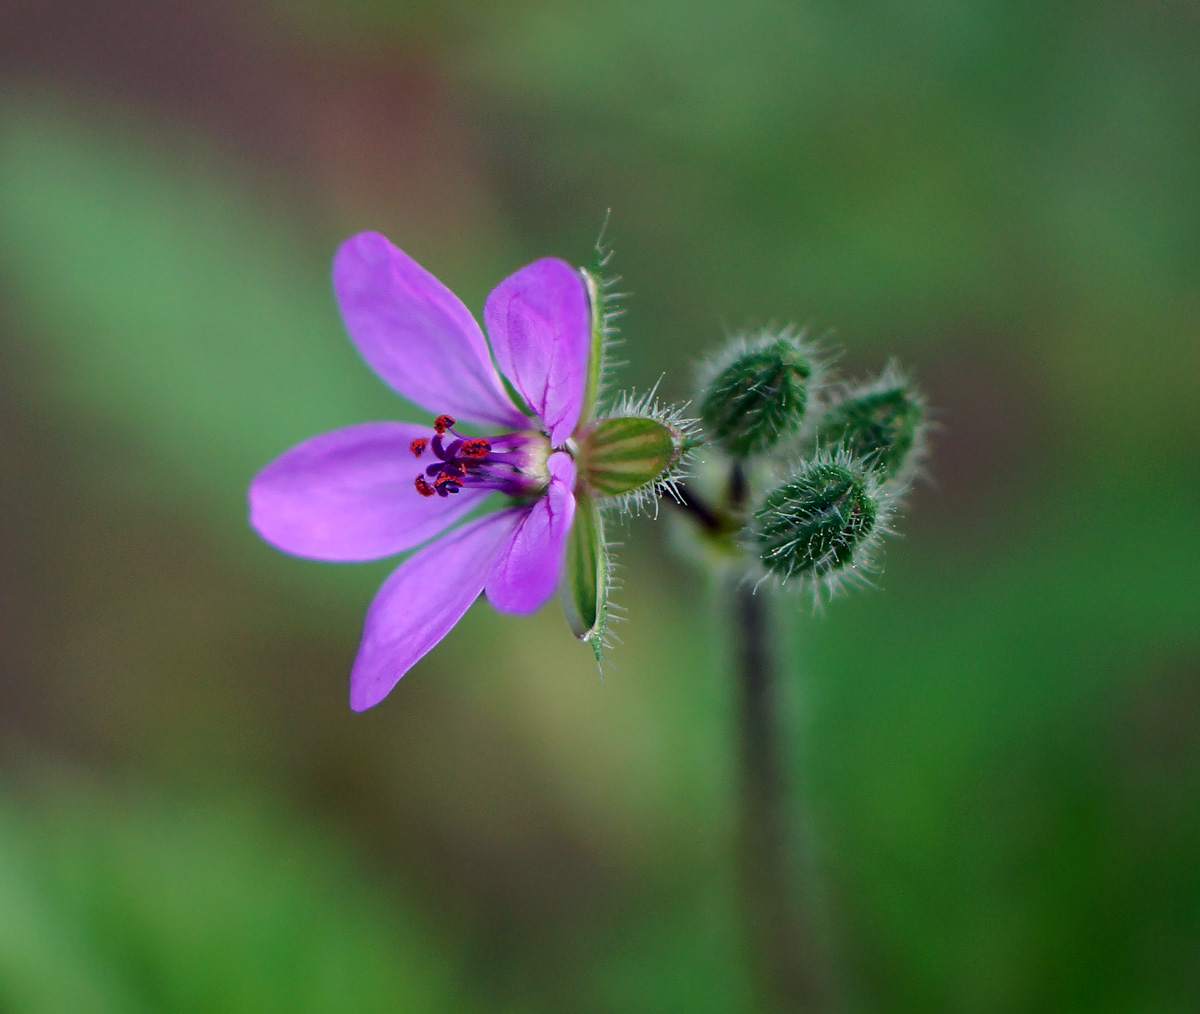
585	591
595	374
515	396
624	453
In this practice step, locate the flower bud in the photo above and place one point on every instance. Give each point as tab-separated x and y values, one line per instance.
820	522
881	422
758	396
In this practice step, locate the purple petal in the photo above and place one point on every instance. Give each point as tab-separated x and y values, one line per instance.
416	334
349	495
540	328
425	596
528	568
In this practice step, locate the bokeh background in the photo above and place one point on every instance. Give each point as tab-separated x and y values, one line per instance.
1000	750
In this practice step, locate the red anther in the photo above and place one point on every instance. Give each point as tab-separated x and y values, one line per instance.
445	484
423	487
443	423
418	446
477	447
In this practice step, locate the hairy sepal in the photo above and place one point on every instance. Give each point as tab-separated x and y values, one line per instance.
623	453
632	444
602	301
585	590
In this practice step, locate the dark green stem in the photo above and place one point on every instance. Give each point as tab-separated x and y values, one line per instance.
788	961
690	502
784	946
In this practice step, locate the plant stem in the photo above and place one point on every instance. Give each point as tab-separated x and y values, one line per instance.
788	962
690	502
784	945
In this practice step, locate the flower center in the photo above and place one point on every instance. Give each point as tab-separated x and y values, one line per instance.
513	463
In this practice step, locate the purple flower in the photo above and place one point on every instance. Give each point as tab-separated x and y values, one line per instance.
380	488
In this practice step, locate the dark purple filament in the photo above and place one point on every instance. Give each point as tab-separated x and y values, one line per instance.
488	462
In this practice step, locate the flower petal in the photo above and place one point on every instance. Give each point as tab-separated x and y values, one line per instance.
540	328
529	565
416	334
349	495
424	597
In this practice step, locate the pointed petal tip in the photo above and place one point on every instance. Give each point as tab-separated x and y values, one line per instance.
362	242
364	697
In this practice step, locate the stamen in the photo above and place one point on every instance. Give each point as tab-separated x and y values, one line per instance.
460	461
446	483
479	447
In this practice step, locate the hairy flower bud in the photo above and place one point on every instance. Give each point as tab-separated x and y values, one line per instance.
821	522
758	395
881	422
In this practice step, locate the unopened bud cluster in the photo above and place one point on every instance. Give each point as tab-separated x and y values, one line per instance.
816	466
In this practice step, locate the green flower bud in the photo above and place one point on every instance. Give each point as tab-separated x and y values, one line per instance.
588	571
758	396
822	522
881	422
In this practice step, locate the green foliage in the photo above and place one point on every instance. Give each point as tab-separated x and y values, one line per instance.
140	905
170	303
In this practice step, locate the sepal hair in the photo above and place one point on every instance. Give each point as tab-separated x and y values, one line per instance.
601	638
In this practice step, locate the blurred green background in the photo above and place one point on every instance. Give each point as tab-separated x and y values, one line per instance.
1001	749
